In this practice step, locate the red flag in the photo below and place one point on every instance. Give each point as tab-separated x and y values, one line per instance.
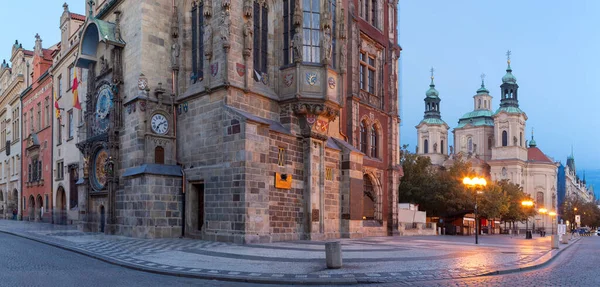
56	106
76	103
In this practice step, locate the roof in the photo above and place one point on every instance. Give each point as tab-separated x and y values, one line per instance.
534	154
477	113
77	16
510	110
475	122
433	121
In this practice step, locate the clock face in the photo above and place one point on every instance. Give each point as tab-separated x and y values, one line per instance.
103	105
159	123
98	169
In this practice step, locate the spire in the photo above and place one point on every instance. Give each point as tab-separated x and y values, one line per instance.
432	92
432	100
509	77
483	90
509	87
532	142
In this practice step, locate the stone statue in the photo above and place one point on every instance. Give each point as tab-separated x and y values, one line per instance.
417	149
175	54
435	147
475	148
327	45
451	150
248	8
208	41
103	65
297	45
343	55
86	165
248	38
515	141
342	25
225	28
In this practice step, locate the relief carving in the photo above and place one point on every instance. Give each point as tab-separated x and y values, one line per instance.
326	45
208	8
297	45
225	27
248	39
248	8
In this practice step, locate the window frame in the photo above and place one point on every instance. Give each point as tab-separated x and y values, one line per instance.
197	74
311	32
374	142
368	72
363	137
70	125
59	78
288	31
261	37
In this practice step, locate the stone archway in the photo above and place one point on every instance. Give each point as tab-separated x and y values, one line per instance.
61	204
31	209
39	208
372	198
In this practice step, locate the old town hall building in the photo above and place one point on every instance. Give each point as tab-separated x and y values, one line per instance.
242	121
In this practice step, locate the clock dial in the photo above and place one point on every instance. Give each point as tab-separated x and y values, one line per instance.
103	105
159	123
98	169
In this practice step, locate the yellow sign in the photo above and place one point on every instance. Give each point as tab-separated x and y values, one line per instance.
283	181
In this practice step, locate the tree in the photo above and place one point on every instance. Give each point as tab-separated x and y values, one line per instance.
514	194
493	203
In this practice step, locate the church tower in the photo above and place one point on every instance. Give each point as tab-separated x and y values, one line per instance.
432	131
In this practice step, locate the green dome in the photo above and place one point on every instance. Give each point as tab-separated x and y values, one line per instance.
432	92
483	89
532	143
509	77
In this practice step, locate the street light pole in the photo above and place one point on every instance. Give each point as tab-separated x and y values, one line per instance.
476	221
552	215
474	182
527	203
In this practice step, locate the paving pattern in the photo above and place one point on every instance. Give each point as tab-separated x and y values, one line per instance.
371	260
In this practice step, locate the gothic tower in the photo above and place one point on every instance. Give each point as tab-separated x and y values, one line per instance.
432	130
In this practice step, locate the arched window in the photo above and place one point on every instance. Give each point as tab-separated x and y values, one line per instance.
288	30
425	146
442	147
159	155
539	199
504	138
490	142
479	104
311	31
261	34
363	137
368	199
470	144
374	13
521	139
374	142
197	41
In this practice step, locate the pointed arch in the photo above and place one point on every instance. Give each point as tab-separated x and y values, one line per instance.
372	198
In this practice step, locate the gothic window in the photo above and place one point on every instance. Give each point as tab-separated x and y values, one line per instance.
368	199
261	33
504	138
521	139
374	13
363	137
425	146
311	36
479	104
159	155
374	142
490	143
288	30
539	199
470	145
367	72
197	41
332	10
442	147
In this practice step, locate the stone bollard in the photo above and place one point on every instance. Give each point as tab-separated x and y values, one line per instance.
554	241
333	255
565	239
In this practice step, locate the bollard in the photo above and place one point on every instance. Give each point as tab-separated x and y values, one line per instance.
554	241
333	255
565	239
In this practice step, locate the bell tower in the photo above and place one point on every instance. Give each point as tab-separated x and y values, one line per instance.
432	131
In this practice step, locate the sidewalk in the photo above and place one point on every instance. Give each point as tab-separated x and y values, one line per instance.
367	260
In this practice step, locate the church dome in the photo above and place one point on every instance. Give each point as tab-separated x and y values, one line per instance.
432	92
509	77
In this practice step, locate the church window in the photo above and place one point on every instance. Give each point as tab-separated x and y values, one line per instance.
374	142
368	199
197	41
159	155
479	104
363	70
490	143
261	33
470	145
288	30
332	11
539	199
504	138
442	147
363	137
521	139
425	146
311	36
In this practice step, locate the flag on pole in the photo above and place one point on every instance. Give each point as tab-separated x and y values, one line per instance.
76	103
56	106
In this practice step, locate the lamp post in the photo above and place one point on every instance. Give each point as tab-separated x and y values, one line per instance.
552	215
527	203
543	212
474	183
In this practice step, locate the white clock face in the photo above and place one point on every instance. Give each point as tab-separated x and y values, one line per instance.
160	125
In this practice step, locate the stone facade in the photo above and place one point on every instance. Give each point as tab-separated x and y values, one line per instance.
37	138
13	80
66	125
223	124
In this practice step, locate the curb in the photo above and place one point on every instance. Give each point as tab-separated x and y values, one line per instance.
531	267
232	278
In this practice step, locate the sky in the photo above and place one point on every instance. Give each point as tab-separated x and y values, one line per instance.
22	19
554	58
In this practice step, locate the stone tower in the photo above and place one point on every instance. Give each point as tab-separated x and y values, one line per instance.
432	130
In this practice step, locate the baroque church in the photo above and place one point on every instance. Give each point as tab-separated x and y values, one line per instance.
241	121
492	141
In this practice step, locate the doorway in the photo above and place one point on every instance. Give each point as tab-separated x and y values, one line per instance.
102	218
197	201
62	206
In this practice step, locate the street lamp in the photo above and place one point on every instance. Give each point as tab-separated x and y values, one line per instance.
474	183
552	215
543	212
527	203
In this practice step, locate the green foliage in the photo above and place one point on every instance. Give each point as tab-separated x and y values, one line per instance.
515	195
494	203
589	211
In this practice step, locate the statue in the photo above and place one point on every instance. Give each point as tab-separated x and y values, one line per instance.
342	25
248	38
248	7
343	55
175	54
208	41
327	45
417	149
297	45
451	150
515	141
103	65
435	147
225	28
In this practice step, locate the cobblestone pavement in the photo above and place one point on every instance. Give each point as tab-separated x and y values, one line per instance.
368	260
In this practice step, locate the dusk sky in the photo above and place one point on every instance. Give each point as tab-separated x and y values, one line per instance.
554	57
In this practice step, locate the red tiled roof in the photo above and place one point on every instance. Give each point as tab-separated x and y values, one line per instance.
77	16
536	155
28	53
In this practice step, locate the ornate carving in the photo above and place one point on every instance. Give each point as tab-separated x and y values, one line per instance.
342	25
208	32
226	4
326	45
343	55
297	18
104	66
315	109
297	44
175	55
208	8
225	28
248	39
118	24
248	8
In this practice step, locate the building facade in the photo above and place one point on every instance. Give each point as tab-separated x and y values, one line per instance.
241	131
13	80
36	103
66	122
